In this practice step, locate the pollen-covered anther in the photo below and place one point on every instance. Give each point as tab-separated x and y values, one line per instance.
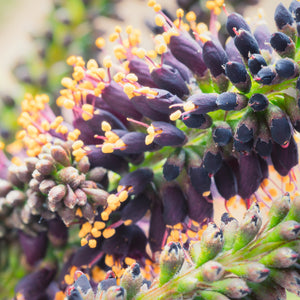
119	77
108	232
68	83
160	20
100	42
88	111
175	115
107	62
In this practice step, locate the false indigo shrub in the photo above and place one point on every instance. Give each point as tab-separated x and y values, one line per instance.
145	147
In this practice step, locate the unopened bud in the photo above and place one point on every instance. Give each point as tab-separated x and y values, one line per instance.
70	175
57	193
232	287
81	196
280	258
46	185
15	197
294	213
171	260
285	231
116	293
211	295
5	187
70	200
249	227
97	195
45	167
210	271
83	165
132	280
288	279
60	155
229	227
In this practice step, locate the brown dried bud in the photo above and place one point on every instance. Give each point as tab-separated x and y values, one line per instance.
97	195
5	187
15	197
57	193
26	214
23	174
45	167
70	200
97	174
30	163
34	184
67	215
81	197
88	184
88	212
37	175
60	155
70	175
83	165
46	185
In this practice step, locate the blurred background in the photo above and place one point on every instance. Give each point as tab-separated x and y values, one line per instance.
36	37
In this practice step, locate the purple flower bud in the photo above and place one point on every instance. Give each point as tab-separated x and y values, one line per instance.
34	247
246	43
141	104
286	68
232	52
201	121
187	51
174	204
284	159
279	125
203	103
212	159
249	182
263	142
70	175
297	14
238	22
34	285
116	98
282	17
226	181
237	74
167	77
214	57
222	133
141	70
262	35
167	134
255	63
282	44
266	75
199	178
137	180
174	165
170	60
246	127
258	102
83	285
157	225
163	101
136	208
231	101
199	208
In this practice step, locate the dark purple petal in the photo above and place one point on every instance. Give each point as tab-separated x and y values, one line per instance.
199	208
266	75
232	52
255	63
282	16
226	181
135	144
204	103
170	60
286	68
34	247
169	135
201	121
262	35
236	21
57	232
258	102
174	204
136	208
163	101
212	160
231	101
138	180
214	57
283	44
284	159
108	161
200	179
116	98
187	51
250	175
167	77
242	147
141	103
174	165
222	134
34	285
141	70
246	43
157	226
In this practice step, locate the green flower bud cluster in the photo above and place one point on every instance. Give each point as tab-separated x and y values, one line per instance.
240	260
